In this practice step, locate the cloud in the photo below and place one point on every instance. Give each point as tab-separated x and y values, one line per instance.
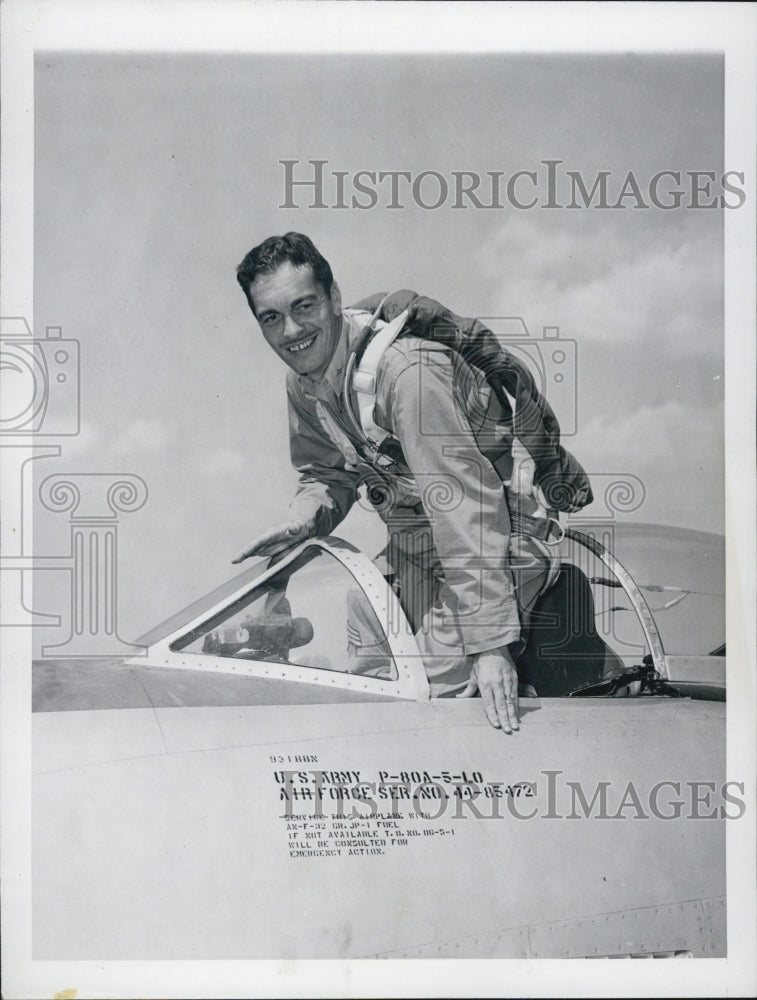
677	452
656	431
145	435
601	282
224	462
89	440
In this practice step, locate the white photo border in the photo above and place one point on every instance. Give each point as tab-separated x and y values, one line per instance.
201	25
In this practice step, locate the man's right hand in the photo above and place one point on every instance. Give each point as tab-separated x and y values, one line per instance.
277	539
495	675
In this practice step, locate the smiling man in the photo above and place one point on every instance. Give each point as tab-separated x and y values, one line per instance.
300	315
465	580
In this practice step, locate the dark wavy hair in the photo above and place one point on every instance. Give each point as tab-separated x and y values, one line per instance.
296	248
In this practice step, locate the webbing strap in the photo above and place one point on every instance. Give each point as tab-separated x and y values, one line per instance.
364	377
544	525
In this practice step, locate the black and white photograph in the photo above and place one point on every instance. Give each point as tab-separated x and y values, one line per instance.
378	536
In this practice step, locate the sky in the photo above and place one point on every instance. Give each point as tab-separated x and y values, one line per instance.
155	173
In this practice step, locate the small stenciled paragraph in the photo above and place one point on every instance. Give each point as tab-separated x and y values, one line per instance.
352	813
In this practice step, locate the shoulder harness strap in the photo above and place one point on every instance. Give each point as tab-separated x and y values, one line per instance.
366	373
361	375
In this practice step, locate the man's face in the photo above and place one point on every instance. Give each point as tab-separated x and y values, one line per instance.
298	319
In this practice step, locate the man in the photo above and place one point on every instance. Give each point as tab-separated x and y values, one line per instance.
466	582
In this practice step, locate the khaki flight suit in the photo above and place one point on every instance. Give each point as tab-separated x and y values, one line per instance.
465	582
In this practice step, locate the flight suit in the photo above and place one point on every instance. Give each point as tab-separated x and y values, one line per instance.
466	583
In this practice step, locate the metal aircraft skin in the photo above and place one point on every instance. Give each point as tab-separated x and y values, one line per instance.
201	802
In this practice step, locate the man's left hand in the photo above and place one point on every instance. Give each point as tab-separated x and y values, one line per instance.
494	674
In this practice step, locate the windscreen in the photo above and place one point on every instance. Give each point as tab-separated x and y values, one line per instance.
681	575
312	613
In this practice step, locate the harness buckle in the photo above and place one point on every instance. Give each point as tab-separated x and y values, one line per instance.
554	540
538	527
364	382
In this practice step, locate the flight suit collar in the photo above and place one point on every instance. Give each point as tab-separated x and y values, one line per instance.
331	383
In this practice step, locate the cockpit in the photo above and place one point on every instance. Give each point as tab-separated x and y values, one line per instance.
304	619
